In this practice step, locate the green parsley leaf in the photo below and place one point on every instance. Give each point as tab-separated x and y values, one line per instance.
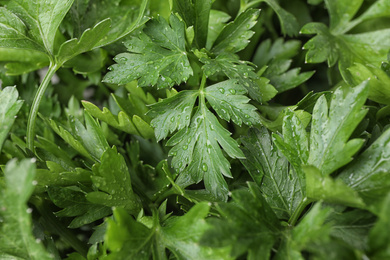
16	238
172	113
87	41
233	68
130	239
195	13
235	36
228	100
197	152
157	57
330	190
281	186
9	107
246	224
74	204
367	174
331	128
111	177
310	230
379	239
42	18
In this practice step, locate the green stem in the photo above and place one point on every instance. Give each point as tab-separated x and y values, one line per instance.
297	213
52	223
32	117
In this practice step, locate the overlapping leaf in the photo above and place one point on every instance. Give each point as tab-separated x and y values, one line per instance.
229	65
228	99
247	224
16	238
235	35
130	239
282	187
157	57
9	107
332	127
173	113
111	178
368	174
198	150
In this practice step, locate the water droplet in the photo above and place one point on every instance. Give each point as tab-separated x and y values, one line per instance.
187	117
172	119
172	153
232	91
123	59
180	164
204	167
185	147
221	90
246	116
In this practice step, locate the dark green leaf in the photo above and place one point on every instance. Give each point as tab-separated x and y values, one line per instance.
280	185
195	13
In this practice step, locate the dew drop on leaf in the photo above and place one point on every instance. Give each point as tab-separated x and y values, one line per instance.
205	167
185	147
222	90
232	91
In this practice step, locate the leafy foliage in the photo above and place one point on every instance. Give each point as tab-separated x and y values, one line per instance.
213	135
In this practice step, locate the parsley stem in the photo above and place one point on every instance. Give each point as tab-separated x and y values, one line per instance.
297	213
202	83
32	117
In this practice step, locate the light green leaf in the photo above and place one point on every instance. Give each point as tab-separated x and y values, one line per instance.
157	57
379	81
173	113
235	35
122	121
228	99
14	34
42	18
368	174
197	152
9	108
331	128
319	187
87	41
269	168
111	177
341	13
16	238
217	22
